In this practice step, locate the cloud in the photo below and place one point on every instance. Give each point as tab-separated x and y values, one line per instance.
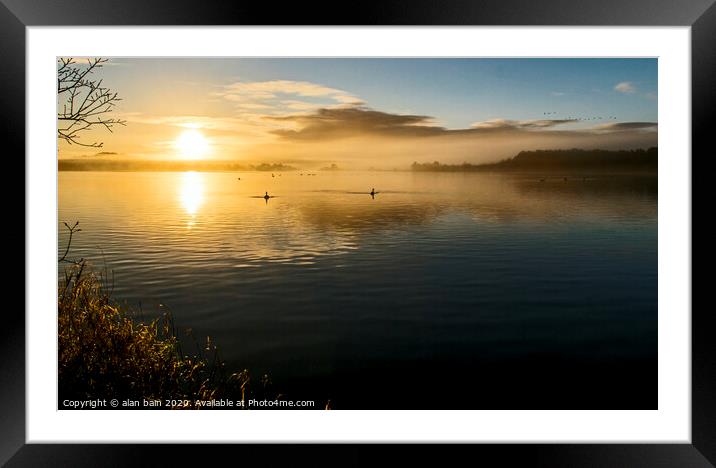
626	87
296	105
335	123
626	126
502	124
332	123
557	93
282	95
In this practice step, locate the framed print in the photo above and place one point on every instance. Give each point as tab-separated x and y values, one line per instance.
459	224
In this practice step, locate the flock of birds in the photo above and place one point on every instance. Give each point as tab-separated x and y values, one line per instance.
611	117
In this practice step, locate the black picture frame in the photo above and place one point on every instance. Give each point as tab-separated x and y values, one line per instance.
700	15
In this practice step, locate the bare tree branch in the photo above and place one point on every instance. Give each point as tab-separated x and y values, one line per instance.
83	101
73	229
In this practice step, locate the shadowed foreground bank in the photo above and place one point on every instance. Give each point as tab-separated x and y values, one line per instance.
104	354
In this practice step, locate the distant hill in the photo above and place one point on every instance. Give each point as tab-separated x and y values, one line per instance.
159	166
560	160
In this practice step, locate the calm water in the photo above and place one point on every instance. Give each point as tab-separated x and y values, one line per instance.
445	291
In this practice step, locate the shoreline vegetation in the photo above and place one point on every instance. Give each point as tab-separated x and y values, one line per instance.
123	165
104	352
639	160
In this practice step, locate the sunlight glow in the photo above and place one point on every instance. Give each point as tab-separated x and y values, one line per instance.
191	192
192	144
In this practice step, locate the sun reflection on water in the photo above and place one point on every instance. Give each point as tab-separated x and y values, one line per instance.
191	193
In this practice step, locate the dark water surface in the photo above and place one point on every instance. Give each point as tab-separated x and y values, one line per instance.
447	290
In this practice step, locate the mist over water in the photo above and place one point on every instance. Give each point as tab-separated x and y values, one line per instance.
464	290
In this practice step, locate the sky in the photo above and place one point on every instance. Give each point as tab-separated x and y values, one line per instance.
361	112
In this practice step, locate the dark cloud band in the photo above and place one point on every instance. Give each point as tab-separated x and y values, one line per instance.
334	123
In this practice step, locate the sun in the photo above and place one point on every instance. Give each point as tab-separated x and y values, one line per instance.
192	144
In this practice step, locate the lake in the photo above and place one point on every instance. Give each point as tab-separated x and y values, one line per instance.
444	291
